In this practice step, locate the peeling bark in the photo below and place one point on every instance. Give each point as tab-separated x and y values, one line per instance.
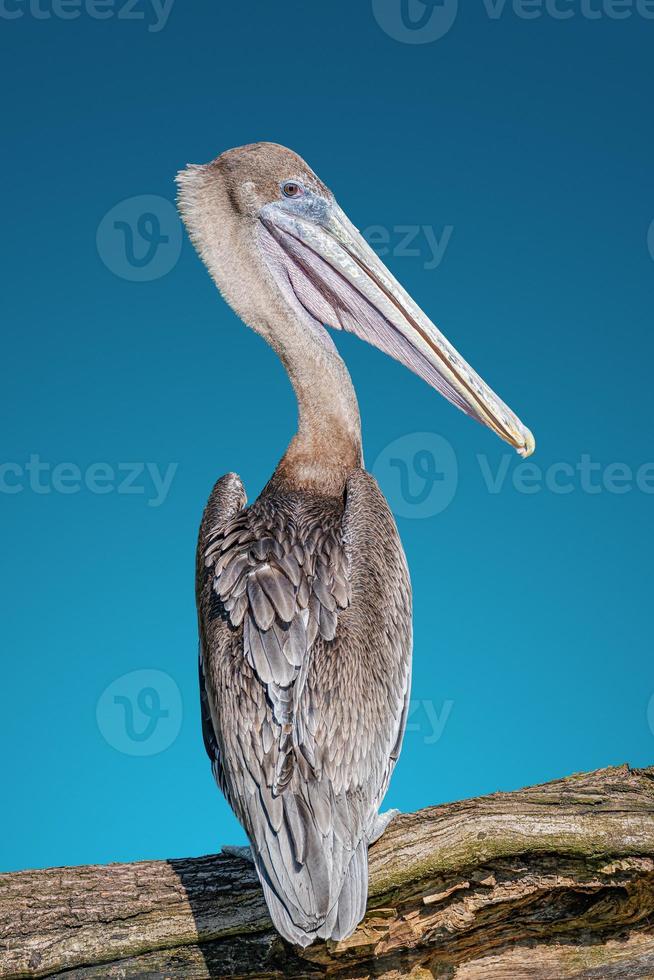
551	882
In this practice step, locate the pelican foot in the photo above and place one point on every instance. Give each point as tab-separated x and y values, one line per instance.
381	823
244	853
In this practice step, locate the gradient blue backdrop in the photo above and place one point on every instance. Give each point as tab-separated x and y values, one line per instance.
533	611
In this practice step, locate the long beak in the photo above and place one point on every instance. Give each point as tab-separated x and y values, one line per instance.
343	283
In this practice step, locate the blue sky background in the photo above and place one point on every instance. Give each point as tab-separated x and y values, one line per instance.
531	141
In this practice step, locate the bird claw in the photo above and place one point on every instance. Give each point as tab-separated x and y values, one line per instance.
382	820
244	853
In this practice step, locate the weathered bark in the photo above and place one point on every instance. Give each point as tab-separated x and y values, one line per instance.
553	882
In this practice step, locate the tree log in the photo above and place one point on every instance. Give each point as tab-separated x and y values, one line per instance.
551	882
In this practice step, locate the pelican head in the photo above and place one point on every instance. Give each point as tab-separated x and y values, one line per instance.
306	244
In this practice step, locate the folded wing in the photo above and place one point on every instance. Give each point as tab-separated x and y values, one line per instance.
305	630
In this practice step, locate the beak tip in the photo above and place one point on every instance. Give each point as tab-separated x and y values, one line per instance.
529	445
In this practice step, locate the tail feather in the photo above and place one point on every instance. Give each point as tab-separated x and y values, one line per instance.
340	920
351	906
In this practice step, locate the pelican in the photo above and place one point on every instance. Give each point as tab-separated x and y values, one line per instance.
304	598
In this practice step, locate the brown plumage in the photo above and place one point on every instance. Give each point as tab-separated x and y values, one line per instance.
303	598
303	715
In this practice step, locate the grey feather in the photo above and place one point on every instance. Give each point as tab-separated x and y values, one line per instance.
260	606
280	591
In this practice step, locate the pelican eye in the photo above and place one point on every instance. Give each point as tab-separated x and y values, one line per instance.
291	188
